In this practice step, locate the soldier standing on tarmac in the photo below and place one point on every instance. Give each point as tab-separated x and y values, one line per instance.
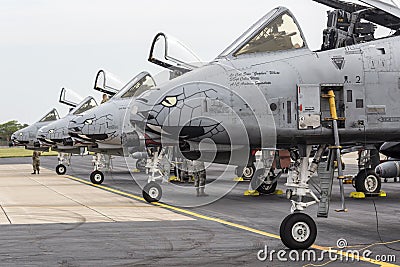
199	173
36	162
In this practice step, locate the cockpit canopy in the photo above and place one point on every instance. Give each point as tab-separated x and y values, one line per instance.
51	116
107	82
168	52
276	31
85	105
140	83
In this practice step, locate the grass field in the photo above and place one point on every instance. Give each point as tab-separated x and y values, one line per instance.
13	152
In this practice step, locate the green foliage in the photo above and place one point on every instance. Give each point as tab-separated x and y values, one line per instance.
14	152
8	128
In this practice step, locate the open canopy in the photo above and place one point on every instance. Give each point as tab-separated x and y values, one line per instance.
168	52
106	82
375	11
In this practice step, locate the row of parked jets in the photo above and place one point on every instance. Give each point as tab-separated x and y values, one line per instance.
267	93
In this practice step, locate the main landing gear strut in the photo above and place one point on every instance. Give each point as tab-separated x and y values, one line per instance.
64	160
298	230
100	161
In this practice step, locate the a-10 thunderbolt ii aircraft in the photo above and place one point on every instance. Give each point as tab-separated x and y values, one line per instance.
27	136
104	125
269	91
55	134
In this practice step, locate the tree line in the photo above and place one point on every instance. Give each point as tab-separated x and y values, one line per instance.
8	128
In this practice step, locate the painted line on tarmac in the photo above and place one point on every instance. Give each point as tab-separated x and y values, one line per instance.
235	225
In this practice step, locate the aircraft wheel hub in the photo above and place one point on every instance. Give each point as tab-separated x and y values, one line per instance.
97	177
248	172
153	192
300	231
371	183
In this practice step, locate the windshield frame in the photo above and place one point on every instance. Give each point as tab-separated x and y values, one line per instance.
47	114
255	29
132	83
75	109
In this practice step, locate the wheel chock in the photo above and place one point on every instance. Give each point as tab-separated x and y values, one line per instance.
135	170
173	178
357	195
252	193
380	194
348	179
238	179
278	192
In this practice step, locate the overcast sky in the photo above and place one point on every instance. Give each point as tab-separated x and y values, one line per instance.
49	44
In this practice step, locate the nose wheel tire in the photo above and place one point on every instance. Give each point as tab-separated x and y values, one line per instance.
96	177
368	182
152	192
298	231
61	169
141	164
245	172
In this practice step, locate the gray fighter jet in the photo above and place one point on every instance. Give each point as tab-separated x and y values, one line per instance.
107	127
55	134
269	91
27	136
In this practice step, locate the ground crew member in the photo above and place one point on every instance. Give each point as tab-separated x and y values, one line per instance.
36	162
105	98
199	173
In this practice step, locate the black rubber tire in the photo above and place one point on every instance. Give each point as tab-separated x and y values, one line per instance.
353	182
364	179
295	221
97	177
152	192
245	172
61	169
141	164
264	188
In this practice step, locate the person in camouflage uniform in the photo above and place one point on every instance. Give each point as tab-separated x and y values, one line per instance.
36	162
199	173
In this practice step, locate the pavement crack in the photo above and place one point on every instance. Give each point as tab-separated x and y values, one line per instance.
5	213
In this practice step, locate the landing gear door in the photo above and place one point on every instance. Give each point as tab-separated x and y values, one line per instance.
172	54
106	82
308	101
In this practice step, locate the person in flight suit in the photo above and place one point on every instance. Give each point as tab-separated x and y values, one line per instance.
36	162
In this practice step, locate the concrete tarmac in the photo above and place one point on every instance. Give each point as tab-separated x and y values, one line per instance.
230	231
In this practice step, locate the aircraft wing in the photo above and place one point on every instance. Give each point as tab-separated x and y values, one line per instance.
381	13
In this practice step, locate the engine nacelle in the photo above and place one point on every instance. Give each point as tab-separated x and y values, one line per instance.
388	169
